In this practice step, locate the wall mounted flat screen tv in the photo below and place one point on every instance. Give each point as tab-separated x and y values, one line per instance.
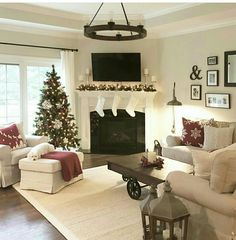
116	67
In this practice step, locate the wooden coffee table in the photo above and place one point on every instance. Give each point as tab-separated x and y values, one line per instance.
133	173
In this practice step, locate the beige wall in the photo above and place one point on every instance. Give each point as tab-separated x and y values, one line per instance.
176	57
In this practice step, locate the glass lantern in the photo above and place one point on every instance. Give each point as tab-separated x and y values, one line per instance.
144	207
171	215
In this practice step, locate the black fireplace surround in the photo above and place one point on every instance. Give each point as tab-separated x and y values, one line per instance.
122	134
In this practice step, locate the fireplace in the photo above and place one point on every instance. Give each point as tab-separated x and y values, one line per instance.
122	134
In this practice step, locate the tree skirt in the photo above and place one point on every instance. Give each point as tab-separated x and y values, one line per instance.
95	208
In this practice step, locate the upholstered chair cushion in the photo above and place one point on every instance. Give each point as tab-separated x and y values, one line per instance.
223	177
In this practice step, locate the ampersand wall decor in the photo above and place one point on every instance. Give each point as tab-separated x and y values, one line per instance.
195	73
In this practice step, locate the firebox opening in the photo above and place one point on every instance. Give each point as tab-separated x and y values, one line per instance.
122	134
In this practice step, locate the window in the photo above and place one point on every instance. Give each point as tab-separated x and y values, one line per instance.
35	78
21	80
9	93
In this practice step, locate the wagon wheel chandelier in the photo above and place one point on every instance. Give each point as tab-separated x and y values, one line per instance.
136	32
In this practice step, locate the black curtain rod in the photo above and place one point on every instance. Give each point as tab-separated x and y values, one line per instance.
36	46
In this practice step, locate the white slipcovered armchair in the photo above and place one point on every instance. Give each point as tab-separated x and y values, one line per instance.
9	170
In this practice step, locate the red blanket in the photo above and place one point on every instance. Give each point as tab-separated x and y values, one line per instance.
70	163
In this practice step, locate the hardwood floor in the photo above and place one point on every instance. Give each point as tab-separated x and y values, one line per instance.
19	219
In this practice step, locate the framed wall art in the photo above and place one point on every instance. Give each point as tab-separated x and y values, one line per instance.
212	60
196	92
213	78
217	100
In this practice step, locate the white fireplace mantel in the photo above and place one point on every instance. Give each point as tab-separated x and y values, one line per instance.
88	101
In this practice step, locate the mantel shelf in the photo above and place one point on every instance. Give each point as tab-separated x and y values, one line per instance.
142	94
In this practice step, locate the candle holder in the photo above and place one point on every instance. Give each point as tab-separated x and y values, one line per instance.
146	74
87	73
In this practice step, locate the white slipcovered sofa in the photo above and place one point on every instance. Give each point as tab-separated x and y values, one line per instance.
175	150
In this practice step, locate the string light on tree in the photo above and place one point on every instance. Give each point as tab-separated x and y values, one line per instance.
53	118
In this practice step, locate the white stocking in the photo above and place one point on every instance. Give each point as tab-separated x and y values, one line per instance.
116	101
100	105
133	101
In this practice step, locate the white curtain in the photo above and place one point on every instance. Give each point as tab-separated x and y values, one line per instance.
68	76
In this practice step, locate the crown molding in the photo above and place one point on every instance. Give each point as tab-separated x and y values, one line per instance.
196	29
171	10
67	34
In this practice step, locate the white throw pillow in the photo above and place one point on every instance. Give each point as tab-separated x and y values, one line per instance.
215	138
203	160
223	177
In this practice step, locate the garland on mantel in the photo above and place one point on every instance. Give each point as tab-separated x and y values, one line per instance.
117	87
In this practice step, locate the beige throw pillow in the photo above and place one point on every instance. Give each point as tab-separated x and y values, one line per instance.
203	160
223	174
215	138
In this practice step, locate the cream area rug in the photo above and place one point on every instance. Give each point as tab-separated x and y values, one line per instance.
95	208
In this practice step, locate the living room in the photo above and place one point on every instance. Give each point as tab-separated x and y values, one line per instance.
182	39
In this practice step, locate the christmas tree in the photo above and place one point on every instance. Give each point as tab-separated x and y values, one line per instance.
53	118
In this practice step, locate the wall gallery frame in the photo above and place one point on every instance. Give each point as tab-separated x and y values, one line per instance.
196	92
213	78
212	60
217	100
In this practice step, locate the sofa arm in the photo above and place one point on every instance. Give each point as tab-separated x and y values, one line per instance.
173	140
35	140
5	154
197	190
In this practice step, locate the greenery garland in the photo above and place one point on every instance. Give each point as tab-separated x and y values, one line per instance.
117	87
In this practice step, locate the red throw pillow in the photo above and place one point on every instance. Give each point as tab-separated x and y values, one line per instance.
193	133
10	136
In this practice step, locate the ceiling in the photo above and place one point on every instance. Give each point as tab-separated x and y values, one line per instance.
160	19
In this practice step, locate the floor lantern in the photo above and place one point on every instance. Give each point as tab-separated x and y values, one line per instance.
144	207
168	211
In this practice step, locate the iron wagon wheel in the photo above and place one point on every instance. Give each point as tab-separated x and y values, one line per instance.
125	178
134	189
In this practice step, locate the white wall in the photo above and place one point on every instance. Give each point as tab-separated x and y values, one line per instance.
176	57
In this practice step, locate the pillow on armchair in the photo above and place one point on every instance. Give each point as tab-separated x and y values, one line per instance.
10	136
203	161
223	177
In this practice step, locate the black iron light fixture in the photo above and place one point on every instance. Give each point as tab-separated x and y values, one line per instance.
136	32
174	102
